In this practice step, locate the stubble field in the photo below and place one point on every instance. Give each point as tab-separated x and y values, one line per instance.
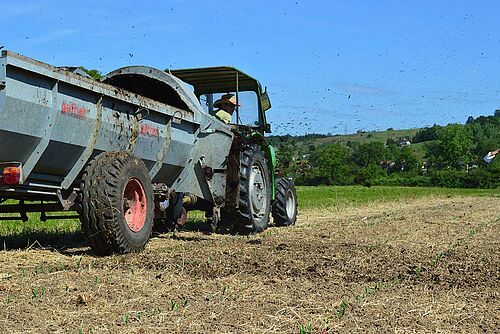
408	264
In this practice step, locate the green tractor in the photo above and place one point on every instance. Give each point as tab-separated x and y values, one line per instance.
253	188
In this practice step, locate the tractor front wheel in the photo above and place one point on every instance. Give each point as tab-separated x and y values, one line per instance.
285	204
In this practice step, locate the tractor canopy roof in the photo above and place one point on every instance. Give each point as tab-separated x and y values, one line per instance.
217	80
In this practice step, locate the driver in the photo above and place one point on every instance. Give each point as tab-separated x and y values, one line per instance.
226	105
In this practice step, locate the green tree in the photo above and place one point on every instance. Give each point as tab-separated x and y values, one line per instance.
426	134
405	161
486	138
330	163
370	153
452	147
390	142
95	74
285	158
367	175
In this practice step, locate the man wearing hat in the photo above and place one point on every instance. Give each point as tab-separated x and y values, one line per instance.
226	105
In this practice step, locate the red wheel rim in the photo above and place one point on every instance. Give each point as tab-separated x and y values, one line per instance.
134	205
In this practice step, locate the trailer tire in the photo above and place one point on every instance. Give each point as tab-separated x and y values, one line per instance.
117	203
285	205
254	204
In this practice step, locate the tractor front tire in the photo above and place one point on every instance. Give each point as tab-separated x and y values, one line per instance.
117	204
254	204
285	204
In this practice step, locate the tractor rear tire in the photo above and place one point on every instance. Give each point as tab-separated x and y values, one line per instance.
254	204
117	204
285	204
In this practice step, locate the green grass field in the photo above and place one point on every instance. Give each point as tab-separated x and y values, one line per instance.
35	225
322	197
337	197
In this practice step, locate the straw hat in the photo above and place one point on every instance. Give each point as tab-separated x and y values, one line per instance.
228	98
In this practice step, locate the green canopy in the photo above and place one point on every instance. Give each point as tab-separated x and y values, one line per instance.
220	79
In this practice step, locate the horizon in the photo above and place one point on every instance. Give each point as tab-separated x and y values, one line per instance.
382	130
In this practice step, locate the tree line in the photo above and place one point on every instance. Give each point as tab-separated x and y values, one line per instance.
445	156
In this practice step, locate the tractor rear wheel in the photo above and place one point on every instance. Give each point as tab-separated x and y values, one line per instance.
117	203
285	204
254	203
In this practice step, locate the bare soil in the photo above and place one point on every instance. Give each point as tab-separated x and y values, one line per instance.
426	266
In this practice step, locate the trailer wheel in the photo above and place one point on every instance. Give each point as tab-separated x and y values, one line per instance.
285	205
254	202
117	203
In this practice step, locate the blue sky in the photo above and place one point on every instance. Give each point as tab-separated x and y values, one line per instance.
330	66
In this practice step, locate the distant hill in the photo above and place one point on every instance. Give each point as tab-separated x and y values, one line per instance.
304	144
364	137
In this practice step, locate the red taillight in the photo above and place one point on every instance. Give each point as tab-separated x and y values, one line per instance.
11	175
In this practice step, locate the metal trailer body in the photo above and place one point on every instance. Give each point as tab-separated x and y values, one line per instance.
53	122
135	151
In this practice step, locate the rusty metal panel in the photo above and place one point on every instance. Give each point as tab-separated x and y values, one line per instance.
54	122
212	145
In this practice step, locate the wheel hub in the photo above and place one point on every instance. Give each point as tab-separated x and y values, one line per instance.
258	191
134	205
290	204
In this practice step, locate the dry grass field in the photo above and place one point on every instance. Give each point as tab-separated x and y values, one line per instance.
422	265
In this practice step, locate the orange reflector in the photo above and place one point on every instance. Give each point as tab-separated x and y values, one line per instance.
11	175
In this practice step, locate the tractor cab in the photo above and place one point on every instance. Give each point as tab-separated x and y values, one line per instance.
212	83
252	189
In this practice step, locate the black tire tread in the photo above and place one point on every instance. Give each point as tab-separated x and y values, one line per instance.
243	213
280	216
101	215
